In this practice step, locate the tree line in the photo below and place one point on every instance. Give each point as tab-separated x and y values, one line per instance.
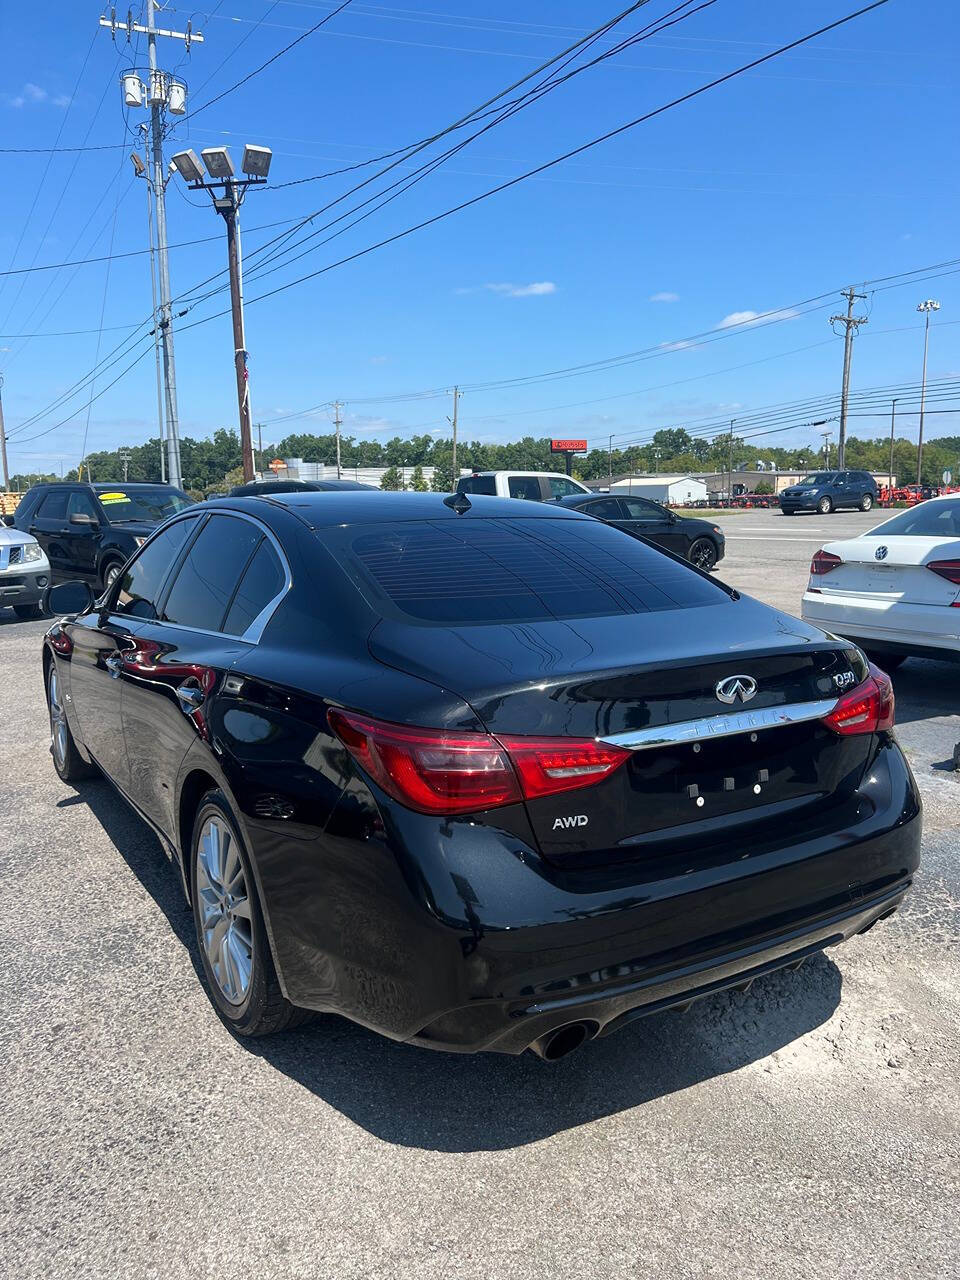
212	465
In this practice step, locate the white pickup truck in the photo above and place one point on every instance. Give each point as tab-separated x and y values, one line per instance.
541	486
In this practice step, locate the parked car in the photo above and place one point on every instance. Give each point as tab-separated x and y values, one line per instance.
699	541
828	491
895	591
253	488
24	573
89	531
478	775
541	486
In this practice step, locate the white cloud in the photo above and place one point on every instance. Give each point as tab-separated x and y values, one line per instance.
379	359
536	289
737	318
33	94
680	345
665	297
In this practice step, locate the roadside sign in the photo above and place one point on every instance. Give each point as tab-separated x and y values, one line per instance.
947	477
277	464
568	446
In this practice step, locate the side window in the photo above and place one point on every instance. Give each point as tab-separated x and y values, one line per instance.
604	509
263	580
81	504
524	487
561	488
141	583
27	505
54	506
637	509
206	581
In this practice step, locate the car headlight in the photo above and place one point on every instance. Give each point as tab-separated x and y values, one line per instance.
32	551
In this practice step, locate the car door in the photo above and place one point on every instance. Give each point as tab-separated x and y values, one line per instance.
219	587
104	641
654	523
561	487
525	487
50	528
608	509
84	536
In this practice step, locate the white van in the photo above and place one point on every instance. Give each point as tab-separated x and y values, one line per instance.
541	486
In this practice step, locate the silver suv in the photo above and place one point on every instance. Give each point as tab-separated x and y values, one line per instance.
24	573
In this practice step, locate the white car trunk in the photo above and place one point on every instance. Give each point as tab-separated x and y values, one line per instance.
900	572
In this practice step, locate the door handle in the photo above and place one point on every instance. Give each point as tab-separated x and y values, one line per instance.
190	696
114	664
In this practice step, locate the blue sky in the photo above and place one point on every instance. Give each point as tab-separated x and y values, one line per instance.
835	164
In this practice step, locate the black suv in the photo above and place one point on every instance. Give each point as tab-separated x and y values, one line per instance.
828	491
89	531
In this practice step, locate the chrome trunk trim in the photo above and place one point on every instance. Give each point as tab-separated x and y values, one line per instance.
721	726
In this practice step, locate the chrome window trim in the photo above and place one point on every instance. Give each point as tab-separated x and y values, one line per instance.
721	726
255	630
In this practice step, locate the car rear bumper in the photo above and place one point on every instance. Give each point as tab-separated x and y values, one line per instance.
898	626
24	587
458	936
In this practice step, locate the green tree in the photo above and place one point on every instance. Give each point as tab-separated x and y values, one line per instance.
417	482
391	479
443	470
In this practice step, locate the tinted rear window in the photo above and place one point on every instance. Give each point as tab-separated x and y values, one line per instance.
208	577
478	484
484	571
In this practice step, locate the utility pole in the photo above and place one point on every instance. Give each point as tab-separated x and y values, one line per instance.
826	448
893	422
3	443
610	460
851	325
124	456
730	462
453	422
657	453
260	446
926	307
162	91
219	165
337	425
161	428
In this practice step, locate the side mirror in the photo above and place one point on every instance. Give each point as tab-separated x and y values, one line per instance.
8	521
67	597
85	521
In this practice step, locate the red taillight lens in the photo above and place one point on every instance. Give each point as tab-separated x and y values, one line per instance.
949	569
549	765
868	708
823	562
433	771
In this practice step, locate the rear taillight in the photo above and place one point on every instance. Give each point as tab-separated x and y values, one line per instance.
868	708
949	569
433	771
824	562
549	765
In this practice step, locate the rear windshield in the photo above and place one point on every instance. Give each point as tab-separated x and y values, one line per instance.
477	484
929	520
153	502
487	571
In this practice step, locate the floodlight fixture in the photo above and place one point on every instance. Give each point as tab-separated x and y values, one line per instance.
188	166
218	162
256	161
139	167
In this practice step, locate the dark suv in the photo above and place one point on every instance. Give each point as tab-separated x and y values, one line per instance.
89	531
828	491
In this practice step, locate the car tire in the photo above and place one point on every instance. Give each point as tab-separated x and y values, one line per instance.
703	554
825	506
238	968
67	761
26	611
866	502
110	573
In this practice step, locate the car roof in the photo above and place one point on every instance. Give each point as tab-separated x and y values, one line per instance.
577	499
509	471
381	506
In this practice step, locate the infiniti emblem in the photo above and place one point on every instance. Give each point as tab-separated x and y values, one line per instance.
880	553
736	688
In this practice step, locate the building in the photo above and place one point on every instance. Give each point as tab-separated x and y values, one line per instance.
675	490
718	482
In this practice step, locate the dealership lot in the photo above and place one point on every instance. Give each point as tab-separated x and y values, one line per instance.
808	1127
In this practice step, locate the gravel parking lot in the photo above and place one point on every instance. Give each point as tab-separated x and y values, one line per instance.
808	1128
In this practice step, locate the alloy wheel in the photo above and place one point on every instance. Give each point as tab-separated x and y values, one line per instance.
110	577
702	554
866	502
58	718
223	901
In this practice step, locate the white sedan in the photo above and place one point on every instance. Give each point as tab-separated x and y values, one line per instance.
895	591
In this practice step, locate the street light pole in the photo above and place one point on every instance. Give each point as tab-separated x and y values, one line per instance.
926	307
3	443
893	422
219	165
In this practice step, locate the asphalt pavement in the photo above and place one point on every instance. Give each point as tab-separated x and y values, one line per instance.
808	1128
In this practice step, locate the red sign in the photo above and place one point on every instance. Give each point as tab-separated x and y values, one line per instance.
568	446
277	464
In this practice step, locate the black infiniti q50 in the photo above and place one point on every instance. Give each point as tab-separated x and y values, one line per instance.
477	776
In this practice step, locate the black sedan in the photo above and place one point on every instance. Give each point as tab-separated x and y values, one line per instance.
699	541
478	774
260	488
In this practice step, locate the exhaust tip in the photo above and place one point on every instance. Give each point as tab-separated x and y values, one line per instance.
557	1044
